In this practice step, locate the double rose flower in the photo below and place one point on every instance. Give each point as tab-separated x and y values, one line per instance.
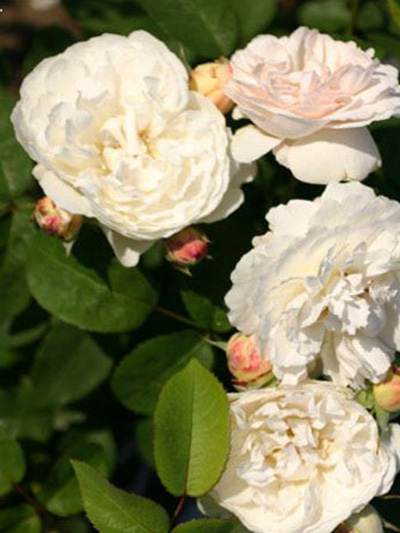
118	136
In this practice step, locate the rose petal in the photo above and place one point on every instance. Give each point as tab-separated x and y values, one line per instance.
128	251
61	193
250	143
331	155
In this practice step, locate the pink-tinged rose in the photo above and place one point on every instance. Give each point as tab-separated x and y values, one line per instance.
245	363
387	393
209	79
187	247
55	221
310	99
368	521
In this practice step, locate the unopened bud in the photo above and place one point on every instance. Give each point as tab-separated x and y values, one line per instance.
245	363
368	521
387	393
210	79
187	247
55	221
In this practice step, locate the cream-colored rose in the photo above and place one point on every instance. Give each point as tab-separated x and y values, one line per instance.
119	137
310	99
303	459
322	289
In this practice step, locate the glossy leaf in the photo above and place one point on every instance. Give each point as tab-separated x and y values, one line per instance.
12	464
139	378
14	292
191	425
206	314
68	366
213	27
117	300
60	492
112	510
20	519
253	16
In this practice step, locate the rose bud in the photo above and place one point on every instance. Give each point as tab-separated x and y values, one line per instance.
245	363
210	79
55	221
187	247
387	393
368	521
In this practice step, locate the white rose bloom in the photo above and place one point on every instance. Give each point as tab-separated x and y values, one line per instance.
118	136
302	459
310	99
323	287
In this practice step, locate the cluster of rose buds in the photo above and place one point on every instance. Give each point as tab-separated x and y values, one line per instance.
387	393
209	79
368	521
187	248
55	221
245	363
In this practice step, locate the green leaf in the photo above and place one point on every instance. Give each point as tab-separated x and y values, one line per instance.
191	425
371	16
14	292
210	526
20	418
112	510
141	375
12	464
145	440
15	170
67	367
20	519
207	27
8	357
393	7
206	314
139	378
326	15
117	300
60	492
253	16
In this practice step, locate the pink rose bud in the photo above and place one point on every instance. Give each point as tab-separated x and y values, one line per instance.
187	247
245	362
55	221
210	79
387	393
368	521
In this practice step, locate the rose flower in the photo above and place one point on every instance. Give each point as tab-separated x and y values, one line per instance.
322	288
118	136
302	460
310	99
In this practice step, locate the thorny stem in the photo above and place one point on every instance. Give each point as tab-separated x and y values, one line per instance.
175	316
39	508
179	508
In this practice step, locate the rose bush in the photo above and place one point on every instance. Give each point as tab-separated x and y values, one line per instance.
321	290
303	459
119	137
310	99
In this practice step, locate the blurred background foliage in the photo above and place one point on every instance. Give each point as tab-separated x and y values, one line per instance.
86	345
